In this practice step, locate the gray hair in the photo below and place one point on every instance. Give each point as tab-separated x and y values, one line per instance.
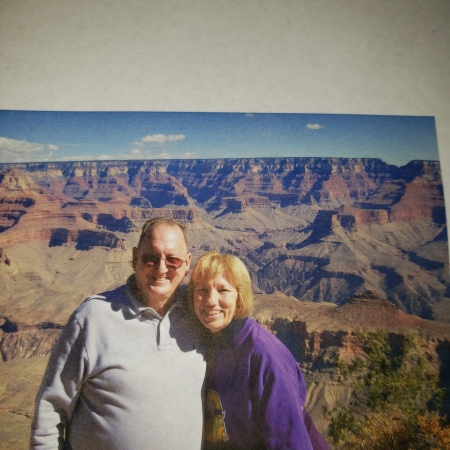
151	223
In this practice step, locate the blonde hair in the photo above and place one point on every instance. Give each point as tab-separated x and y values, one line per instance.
212	264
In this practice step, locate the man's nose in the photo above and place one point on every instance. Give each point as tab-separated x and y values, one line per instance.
162	267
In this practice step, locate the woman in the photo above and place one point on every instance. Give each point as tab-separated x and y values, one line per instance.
255	389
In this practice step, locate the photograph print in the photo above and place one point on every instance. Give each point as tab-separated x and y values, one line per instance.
340	220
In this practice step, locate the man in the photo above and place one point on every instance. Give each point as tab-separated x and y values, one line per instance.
127	371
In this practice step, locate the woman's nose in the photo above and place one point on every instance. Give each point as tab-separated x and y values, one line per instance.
211	297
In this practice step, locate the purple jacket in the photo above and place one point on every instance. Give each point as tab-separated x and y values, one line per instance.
255	391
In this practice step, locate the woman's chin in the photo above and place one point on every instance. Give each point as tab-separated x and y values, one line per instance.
214	326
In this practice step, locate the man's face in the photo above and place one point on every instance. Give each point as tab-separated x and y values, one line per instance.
157	276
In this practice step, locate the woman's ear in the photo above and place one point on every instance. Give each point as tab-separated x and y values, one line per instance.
238	305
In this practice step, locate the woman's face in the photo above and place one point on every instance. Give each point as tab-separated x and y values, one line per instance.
215	302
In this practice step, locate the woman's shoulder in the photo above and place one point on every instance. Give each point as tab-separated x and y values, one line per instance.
262	341
268	356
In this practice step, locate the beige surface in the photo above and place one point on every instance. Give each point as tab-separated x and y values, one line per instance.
326	56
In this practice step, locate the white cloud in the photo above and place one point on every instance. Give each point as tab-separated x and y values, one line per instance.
140	153
134	154
190	155
12	150
148	147
160	138
314	126
78	157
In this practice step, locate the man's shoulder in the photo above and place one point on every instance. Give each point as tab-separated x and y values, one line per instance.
114	298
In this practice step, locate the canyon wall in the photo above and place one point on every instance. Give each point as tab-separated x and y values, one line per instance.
319	229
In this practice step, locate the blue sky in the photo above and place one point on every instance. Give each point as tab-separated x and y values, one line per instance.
28	136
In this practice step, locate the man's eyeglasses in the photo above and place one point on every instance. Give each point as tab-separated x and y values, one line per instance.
172	262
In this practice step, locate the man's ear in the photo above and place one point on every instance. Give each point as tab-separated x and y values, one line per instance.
188	263
135	258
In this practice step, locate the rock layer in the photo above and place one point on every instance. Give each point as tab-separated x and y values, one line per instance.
320	229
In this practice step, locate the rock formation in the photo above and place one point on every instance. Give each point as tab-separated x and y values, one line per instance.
320	229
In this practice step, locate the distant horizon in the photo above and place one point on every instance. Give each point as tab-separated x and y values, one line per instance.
61	136
211	159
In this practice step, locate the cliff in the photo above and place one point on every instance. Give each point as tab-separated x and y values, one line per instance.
329	182
319	229
321	336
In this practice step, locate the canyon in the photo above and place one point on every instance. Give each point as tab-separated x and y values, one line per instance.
332	245
319	229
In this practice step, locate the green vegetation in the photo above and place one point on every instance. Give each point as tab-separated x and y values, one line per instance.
395	401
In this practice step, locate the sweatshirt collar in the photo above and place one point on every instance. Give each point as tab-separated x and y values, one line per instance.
229	333
137	308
